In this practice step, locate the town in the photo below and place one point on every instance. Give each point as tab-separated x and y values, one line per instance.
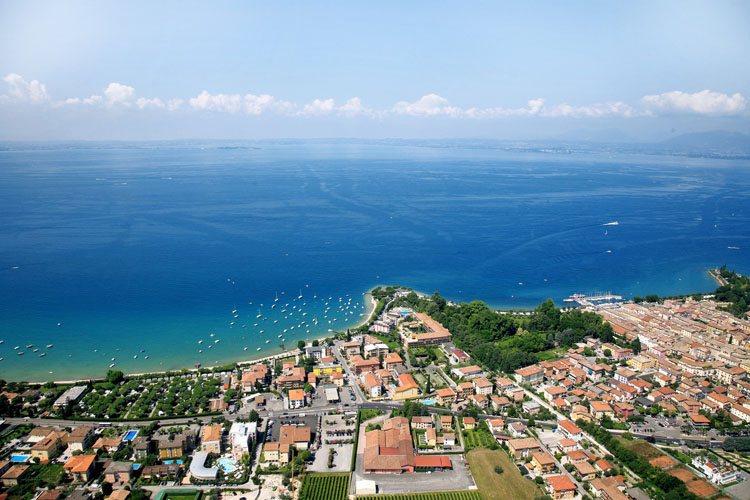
651	400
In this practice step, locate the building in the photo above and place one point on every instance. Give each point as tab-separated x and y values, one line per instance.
173	448
121	494
14	474
80	467
468	372
255	375
296	398
569	430
422	422
585	470
211	438
360	365
407	388
600	409
73	395
372	385
141	447
457	356
198	467
376	350
523	447
241	435
162	471
291	377
80	438
277	452
49	447
296	436
390	450
469	423
118	473
446	396
542	462
482	386
332	395
108	445
716	473
561	487
392	360
530	375
435	333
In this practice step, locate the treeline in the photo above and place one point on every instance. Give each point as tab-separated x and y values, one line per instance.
667	487
505	343
736	291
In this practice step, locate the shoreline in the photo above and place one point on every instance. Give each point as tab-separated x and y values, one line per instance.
370	305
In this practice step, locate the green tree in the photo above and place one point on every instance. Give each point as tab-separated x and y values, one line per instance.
301	344
115	376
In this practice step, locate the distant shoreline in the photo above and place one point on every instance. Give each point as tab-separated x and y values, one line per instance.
370	304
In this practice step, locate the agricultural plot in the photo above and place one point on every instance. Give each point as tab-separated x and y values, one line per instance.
478	437
325	487
436	495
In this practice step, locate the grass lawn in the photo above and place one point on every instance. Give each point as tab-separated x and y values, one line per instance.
479	437
551	354
641	447
51	473
494	486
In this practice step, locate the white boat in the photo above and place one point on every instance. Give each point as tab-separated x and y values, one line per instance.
234	311
36	350
268	341
258	349
135	356
200	341
111	365
200	350
42	354
615	223
245	349
29	346
20	353
145	357
49	346
216	341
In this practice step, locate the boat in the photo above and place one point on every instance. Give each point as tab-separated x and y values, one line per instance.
615	223
135	356
29	346
42	354
36	350
268	341
245	349
258	349
216	341
200	341
145	357
112	365
2	341
234	311
49	346
20	353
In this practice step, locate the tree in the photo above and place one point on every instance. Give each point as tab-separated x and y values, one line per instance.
428	388
253	416
315	343
301	344
498	469
115	376
107	488
608	353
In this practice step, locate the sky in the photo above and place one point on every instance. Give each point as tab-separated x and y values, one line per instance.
634	70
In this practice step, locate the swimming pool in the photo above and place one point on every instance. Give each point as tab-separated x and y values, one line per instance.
19	458
167	462
130	435
136	466
428	402
227	464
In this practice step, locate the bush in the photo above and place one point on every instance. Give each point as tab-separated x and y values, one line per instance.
498	469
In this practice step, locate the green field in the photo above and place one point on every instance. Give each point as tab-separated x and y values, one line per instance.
325	487
479	437
435	495
179	495
494	486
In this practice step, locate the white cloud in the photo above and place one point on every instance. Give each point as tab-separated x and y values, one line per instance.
119	93
21	90
154	103
235	103
705	102
428	105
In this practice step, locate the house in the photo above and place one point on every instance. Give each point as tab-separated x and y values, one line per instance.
50	494
316	352
365	365
715	472
446	396
291	377
569	430
141	447
530	375
74	394
277	452
524	447
600	409
457	356
449	439
14	474
296	436
464	389
482	386
479	401
554	392
49	447
407	388
446	422
173	448
121	494
625	410
432	462
699	421
240	436
338	379
80	438
467	372
430	437
392	360
372	385
610	488
517	429
211	438
78	494
624	375
380	326
352	348
296	398
542	462
80	467
603	465
107	445
499	403
566	445
504	384
253	376
162	471
585	470
376	350
496	425
118	473
469	423
561	487
422	422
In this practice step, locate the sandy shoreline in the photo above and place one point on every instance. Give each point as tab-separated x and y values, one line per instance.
370	304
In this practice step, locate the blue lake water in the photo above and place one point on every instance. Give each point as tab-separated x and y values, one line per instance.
146	249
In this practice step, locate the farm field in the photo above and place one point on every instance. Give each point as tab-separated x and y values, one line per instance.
479	437
325	487
435	495
494	486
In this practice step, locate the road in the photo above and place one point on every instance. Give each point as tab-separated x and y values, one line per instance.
352	378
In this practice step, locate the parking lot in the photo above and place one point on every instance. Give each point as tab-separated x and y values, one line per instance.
456	479
310	421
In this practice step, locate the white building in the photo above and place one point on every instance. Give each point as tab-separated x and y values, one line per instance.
717	474
241	434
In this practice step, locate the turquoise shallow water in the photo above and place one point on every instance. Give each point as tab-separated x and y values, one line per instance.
146	249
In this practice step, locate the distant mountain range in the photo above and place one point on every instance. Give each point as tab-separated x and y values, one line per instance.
718	141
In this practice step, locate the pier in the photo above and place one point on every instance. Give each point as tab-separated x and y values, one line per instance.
593	299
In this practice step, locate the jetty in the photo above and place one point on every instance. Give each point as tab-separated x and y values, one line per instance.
594	299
